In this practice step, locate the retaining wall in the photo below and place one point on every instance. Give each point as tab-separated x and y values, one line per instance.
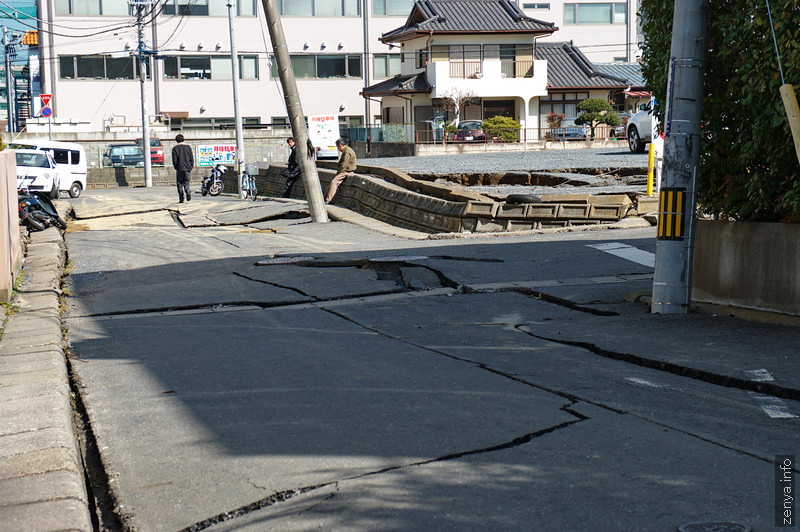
747	264
10	245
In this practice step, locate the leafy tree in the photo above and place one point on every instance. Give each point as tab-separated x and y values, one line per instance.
748	169
596	111
502	128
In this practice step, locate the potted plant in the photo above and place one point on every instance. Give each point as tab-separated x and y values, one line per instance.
554	119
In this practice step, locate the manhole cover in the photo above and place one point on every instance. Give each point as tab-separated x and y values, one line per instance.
284	260
714	526
398	258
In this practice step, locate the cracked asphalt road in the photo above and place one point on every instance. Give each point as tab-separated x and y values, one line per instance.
476	384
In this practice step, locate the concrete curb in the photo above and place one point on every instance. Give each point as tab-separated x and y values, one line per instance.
42	484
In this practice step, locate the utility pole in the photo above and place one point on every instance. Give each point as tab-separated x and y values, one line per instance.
236	113
10	52
676	219
365	15
144	58
308	169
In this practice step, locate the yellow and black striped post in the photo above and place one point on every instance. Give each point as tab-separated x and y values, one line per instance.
671	213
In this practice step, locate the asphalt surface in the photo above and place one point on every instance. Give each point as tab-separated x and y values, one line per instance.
382	383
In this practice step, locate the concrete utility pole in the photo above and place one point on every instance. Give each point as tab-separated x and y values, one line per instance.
365	16
316	204
676	219
8	48
144	59
240	166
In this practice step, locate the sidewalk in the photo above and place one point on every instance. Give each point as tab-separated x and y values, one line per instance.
41	474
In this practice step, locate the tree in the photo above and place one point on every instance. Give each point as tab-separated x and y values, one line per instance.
454	100
596	111
748	169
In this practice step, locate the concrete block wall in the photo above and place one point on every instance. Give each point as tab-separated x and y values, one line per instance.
10	245
747	264
394	197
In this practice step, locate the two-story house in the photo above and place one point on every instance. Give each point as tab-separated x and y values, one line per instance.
491	50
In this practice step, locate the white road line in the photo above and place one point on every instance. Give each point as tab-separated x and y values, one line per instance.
624	251
643	382
774	407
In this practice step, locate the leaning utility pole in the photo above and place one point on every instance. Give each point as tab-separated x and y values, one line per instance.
308	169
236	113
144	59
676	212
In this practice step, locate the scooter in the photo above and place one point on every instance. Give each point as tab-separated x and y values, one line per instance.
212	183
37	212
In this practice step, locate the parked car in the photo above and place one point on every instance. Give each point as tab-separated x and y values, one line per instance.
69	156
470	130
570	131
156	150
123	155
640	128
37	171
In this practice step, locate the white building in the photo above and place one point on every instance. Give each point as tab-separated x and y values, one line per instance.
189	85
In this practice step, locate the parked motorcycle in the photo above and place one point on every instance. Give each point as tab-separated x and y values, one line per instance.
212	183
37	212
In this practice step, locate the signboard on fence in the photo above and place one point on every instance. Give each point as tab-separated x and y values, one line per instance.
210	154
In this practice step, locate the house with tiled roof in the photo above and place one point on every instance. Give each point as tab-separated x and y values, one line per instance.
489	49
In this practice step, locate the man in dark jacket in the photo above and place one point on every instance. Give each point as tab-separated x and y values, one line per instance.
183	162
292	170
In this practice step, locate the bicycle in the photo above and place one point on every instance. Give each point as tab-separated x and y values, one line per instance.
249	187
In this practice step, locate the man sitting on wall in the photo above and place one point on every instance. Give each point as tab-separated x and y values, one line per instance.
347	165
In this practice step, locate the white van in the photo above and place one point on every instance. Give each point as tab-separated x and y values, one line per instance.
70	158
37	171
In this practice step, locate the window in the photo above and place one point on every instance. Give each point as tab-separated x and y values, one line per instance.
319	8
386	65
186	7
323	66
209	67
535	6
92	7
565	103
394	8
97	67
595	13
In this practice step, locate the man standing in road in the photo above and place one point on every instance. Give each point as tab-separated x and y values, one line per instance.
183	162
347	165
292	170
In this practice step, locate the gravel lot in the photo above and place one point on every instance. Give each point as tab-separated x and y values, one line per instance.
547	161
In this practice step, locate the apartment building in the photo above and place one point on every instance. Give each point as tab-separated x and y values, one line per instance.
334	45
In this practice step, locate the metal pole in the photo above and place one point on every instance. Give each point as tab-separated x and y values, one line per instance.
365	15
9	88
237	115
308	169
672	277
143	60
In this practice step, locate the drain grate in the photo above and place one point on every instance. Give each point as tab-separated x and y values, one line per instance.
285	260
398	258
714	526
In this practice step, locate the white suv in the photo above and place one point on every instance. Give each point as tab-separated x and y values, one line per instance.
640	128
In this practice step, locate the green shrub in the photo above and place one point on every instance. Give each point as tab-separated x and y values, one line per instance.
501	128
748	169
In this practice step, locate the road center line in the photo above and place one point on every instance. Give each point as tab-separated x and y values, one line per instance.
624	251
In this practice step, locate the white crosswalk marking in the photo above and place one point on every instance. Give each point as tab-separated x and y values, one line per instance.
624	251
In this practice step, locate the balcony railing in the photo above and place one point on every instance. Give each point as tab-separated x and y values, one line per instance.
465	69
516	69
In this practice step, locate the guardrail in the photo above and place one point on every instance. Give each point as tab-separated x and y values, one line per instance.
522	135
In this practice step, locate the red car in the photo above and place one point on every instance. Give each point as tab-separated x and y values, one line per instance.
156	150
